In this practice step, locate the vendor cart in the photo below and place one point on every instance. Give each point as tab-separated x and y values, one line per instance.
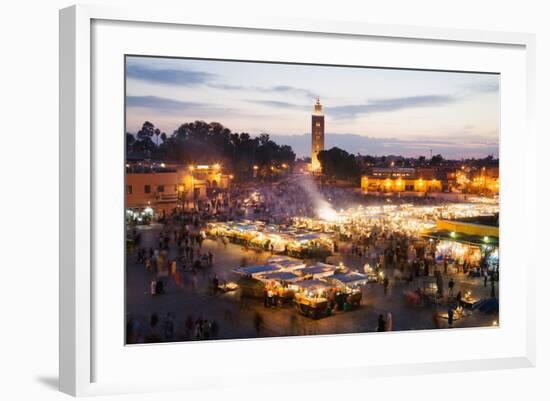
314	308
430	292
310	299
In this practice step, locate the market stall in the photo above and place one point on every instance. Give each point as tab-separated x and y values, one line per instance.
349	289
317	271
257	271
311	298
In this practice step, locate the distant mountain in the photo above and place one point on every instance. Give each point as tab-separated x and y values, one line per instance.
351	143
365	145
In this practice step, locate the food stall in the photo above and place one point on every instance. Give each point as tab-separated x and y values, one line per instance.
227	286
290	264
257	271
373	275
311	298
280	277
317	271
349	288
467	300
309	245
281	285
430	291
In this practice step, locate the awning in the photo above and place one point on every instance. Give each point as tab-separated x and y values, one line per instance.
476	240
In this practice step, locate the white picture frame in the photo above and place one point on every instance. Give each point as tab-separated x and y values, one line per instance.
78	316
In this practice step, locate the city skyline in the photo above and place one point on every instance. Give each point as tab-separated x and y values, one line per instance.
372	111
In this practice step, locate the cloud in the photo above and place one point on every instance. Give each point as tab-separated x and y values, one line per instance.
168	76
389	105
293	90
185	77
278	89
376	106
161	103
485	87
280	105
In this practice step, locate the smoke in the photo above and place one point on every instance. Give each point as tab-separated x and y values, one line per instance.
323	209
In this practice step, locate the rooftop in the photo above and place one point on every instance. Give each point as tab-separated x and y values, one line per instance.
491	220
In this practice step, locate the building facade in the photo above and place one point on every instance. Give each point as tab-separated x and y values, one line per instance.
317	136
482	181
163	188
398	179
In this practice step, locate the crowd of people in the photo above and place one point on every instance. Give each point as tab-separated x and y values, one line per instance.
177	258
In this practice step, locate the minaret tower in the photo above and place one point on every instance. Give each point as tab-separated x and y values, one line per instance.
317	136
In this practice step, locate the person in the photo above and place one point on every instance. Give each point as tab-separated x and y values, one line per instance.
153	336
173	267
169	327
188	326
435	319
258	322
381	323
206	327
389	322
215	284
214	329
450	316
210	258
459	297
178	278
160	287
451	286
386	284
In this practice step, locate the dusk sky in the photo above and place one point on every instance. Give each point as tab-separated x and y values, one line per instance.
381	111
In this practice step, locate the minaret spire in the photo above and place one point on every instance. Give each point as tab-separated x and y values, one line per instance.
318	108
317	135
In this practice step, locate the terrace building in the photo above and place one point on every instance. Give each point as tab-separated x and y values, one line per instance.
161	187
401	179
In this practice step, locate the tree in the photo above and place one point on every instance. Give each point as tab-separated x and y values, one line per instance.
436	159
147	131
338	163
130	139
145	147
208	143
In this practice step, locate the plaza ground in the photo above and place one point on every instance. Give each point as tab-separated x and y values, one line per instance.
235	315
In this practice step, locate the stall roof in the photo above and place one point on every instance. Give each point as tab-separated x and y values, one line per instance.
319	268
291	264
309	284
308	237
462	238
277	259
257	269
280	276
349	278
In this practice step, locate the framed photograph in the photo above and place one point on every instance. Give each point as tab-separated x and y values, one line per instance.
290	200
